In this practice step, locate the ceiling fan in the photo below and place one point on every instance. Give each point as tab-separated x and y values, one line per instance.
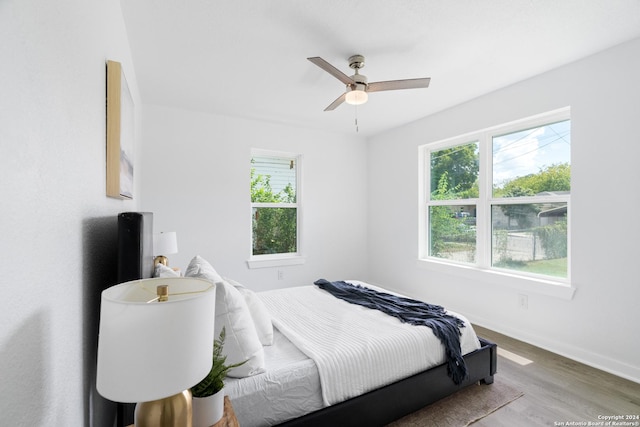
358	86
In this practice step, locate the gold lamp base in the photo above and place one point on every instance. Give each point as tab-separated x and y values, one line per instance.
161	259
172	411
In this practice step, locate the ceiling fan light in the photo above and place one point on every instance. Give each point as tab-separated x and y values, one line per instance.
356	97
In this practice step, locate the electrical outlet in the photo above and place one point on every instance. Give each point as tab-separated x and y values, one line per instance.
280	275
523	301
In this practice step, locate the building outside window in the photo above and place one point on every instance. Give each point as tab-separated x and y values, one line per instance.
500	198
275	203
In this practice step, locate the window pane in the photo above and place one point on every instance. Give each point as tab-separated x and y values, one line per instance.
453	232
274	230
273	179
454	172
530	238
533	161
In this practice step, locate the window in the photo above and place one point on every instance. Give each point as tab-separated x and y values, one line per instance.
275	203
499	198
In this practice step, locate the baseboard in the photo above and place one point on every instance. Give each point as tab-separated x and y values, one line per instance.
589	358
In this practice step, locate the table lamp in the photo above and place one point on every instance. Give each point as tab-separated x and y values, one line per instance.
156	341
165	243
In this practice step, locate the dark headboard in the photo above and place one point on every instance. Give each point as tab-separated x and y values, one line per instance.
135	246
135	261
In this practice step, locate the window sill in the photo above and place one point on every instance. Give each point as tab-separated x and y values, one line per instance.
550	288
266	261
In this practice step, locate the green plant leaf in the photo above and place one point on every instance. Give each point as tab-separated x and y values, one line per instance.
214	381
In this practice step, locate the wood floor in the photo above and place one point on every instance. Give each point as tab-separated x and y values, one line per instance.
557	391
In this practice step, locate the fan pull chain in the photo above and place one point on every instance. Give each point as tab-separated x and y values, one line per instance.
356	121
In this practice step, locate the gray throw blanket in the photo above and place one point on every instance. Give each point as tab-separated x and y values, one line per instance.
445	326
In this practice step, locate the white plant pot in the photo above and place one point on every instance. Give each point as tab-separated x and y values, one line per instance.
208	410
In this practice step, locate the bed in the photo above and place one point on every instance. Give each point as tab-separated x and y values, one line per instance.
292	384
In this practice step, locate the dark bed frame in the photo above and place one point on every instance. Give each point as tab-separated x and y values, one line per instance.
389	403
375	408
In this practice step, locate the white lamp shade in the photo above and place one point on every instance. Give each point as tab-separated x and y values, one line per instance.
165	243
152	350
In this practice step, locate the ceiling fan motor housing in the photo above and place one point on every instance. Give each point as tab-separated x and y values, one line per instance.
360	81
357	86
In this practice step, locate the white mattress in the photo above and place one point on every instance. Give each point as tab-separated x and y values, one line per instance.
293	384
288	389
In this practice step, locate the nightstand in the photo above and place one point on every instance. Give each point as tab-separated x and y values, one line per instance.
229	418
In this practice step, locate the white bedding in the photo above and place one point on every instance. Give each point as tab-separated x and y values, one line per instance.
355	348
288	389
341	351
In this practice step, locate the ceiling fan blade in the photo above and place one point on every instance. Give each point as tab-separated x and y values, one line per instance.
331	70
335	104
399	84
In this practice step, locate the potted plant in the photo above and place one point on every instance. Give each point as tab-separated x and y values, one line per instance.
208	397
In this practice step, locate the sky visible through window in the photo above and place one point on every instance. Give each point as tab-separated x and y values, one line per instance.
527	152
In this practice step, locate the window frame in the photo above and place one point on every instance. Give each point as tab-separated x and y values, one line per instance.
279	259
483	204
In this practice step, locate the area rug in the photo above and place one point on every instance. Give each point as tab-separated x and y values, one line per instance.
462	408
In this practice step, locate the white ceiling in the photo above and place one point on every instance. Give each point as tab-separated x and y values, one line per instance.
247	58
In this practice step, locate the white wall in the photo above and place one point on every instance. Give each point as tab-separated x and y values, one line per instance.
599	325
196	182
57	227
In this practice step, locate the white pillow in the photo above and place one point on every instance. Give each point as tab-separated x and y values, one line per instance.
259	313
199	267
241	341
162	270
